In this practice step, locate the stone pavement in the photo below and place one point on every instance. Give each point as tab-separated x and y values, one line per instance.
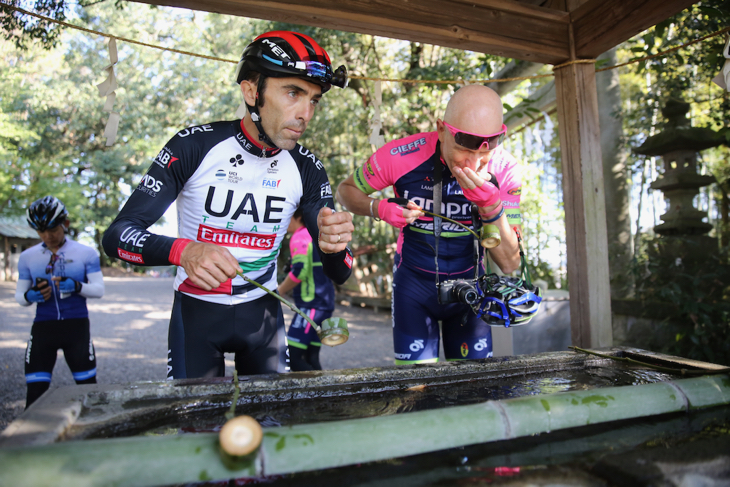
129	330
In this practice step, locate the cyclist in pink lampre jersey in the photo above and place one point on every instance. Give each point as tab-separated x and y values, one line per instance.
478	177
314	295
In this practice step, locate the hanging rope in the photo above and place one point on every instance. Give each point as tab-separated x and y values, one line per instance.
368	78
107	88
103	34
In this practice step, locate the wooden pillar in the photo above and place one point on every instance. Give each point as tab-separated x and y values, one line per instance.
585	206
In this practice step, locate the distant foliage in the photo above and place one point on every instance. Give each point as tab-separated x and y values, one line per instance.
25	30
696	284
692	279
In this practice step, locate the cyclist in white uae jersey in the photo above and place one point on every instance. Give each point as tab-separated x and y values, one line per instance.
237	184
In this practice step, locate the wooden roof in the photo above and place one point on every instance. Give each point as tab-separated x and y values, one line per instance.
16	227
544	31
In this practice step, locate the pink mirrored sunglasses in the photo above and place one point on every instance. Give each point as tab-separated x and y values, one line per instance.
472	141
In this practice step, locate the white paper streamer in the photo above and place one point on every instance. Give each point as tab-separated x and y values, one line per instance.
109	104
376	124
107	88
723	79
110	131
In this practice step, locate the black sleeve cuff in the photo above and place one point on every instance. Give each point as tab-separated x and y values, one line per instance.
337	267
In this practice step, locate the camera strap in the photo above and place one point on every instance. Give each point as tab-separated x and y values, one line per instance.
437	192
437	195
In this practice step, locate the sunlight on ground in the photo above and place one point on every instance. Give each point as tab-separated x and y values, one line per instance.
140	324
103	355
158	315
118	308
101	342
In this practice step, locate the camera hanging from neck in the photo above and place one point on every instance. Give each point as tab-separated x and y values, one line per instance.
496	300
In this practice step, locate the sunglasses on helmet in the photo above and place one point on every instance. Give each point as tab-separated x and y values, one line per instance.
324	73
472	141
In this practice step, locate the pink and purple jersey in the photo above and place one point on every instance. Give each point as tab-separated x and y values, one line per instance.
315	290
408	165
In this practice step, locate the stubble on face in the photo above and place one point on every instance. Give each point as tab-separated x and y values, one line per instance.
288	108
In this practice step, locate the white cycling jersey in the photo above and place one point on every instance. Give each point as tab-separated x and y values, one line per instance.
230	193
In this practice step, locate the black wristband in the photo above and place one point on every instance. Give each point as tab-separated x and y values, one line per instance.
337	267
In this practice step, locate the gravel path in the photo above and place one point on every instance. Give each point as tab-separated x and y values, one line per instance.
129	329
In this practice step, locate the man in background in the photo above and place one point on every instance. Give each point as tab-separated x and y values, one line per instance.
314	295
58	275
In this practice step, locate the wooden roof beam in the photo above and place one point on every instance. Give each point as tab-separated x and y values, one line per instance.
599	25
499	27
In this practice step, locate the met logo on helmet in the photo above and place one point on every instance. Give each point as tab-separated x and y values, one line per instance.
275	49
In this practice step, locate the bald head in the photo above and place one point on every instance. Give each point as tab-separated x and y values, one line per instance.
476	109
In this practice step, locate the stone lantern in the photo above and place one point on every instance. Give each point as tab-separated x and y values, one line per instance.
678	145
683	262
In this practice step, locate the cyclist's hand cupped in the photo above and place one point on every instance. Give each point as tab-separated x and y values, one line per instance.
335	230
478	187
208	265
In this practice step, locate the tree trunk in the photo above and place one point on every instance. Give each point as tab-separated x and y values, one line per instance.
103	259
724	210
616	179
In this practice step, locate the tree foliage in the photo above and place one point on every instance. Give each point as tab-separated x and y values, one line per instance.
53	123
692	279
24	29
680	274
685	74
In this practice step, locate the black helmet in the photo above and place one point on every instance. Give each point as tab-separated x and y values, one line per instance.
282	54
507	301
46	213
